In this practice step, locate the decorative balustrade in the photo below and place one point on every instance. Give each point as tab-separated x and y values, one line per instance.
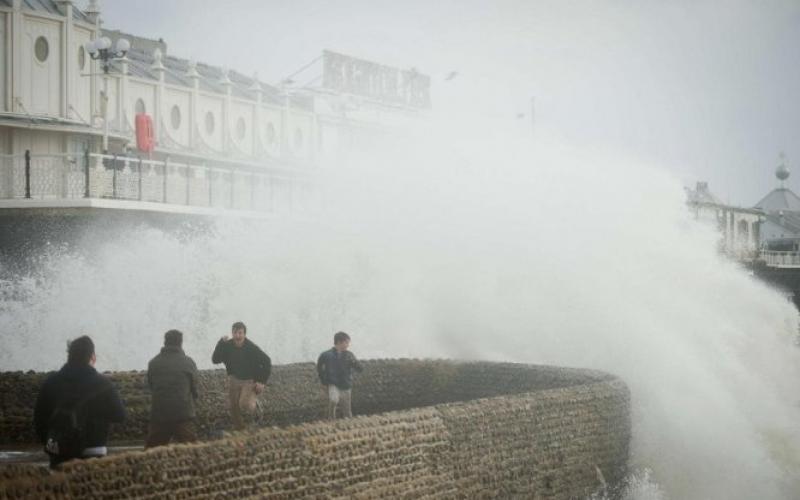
773	258
91	175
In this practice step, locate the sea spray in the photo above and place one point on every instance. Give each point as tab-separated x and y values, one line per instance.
474	246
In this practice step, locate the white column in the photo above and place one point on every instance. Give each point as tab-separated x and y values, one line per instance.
8	56
93	13
104	107
16	55
283	143
226	111
158	69
194	118
314	141
257	116
124	105
66	64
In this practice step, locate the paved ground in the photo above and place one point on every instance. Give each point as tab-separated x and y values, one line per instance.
35	456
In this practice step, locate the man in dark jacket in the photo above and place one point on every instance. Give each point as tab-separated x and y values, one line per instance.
248	369
75	407
172	378
335	369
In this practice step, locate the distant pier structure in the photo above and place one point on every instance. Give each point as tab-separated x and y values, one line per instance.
75	128
739	227
765	237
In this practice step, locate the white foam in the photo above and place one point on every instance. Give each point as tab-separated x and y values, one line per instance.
469	245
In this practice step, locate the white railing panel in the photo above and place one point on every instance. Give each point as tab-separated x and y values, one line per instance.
64	176
774	258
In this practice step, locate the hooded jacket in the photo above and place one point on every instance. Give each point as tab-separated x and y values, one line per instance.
172	378
73	381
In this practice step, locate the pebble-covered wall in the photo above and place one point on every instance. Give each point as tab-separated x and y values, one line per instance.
453	430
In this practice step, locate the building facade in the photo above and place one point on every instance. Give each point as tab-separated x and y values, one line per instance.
223	140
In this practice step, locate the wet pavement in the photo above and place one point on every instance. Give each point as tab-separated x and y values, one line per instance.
35	456
21	457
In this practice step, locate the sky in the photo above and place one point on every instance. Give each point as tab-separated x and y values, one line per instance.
709	90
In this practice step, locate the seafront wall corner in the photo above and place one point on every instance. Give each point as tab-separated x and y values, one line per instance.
427	429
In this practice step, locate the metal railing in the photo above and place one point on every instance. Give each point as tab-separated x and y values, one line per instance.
773	258
41	176
92	175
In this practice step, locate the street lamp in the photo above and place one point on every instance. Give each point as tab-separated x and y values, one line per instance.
100	49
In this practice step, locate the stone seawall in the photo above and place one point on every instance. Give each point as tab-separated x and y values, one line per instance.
429	429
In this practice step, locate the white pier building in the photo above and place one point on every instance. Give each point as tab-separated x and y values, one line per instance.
222	141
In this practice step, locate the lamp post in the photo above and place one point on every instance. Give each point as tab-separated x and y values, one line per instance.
101	49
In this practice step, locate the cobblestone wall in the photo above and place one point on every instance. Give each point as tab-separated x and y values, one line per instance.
453	430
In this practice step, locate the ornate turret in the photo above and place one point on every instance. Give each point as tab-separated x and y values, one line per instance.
191	70
193	75
256	86
92	11
225	80
158	63
782	172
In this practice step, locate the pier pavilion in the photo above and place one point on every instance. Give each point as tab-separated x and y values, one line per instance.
739	227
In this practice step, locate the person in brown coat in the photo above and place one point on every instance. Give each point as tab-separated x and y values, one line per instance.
173	380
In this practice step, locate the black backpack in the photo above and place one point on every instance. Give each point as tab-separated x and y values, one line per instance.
66	429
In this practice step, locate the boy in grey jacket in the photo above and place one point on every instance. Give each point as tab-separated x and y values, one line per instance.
172	378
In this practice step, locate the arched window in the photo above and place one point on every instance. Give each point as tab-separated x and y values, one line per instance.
298	139
81	58
41	49
175	117
743	230
270	134
241	128
140	107
210	123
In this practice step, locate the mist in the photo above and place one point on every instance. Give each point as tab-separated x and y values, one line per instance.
707	90
446	242
475	235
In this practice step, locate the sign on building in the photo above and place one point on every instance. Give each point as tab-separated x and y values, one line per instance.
386	84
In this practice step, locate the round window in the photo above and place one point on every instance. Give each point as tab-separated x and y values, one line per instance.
81	57
298	139
175	117
270	134
41	49
240	128
209	122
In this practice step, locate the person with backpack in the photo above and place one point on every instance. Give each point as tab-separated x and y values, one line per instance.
173	380
75	407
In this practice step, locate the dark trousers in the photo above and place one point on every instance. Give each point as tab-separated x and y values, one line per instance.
161	433
56	460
